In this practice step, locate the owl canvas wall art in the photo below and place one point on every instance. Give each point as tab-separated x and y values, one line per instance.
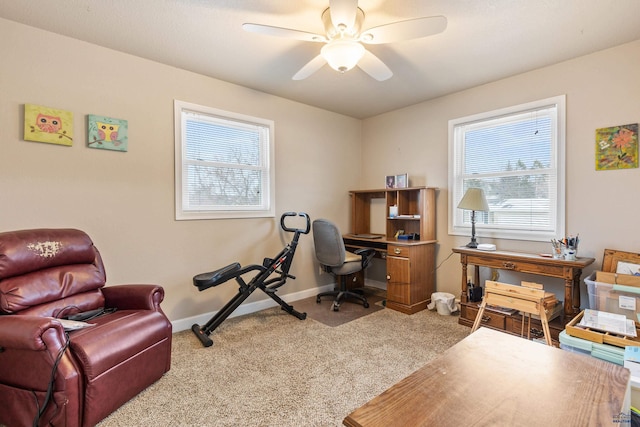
107	133
45	124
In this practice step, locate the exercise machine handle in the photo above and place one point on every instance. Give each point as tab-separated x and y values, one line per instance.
295	230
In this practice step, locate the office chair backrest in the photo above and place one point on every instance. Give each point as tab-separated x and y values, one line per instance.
328	242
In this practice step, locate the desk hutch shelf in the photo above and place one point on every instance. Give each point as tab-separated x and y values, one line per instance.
410	263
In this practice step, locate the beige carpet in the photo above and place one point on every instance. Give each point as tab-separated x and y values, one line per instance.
271	369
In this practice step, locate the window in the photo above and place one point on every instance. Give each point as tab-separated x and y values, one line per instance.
516	155
224	164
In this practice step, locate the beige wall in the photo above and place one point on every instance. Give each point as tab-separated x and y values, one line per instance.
602	90
125	201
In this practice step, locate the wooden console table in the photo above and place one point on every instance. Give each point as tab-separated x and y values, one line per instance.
570	271
538	386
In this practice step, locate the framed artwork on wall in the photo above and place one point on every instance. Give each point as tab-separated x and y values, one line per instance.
46	124
107	133
617	147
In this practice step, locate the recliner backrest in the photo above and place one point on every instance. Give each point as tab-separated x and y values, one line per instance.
328	243
47	271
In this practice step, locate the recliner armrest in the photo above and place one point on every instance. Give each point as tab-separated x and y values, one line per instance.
367	255
133	297
26	332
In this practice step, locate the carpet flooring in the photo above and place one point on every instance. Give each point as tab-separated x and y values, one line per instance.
272	369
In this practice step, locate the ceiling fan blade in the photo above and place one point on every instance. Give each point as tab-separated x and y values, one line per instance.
373	66
311	67
404	30
343	13
283	32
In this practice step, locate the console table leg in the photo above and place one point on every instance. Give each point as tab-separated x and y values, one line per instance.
463	294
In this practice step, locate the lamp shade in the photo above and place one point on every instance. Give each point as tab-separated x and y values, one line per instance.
474	200
342	55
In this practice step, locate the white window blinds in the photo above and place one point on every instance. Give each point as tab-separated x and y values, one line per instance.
516	156
226	164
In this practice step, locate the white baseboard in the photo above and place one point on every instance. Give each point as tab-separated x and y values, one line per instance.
252	307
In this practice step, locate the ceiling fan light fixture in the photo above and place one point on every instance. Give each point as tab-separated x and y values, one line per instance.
342	55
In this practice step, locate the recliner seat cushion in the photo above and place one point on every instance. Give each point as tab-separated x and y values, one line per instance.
115	338
119	357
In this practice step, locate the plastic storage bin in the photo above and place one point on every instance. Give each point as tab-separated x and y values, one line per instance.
618	299
607	352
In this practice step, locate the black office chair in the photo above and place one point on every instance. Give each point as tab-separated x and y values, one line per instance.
335	259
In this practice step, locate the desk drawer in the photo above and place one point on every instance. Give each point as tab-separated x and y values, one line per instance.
489	318
397	250
536	328
521	266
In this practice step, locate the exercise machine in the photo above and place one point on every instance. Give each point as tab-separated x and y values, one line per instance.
278	267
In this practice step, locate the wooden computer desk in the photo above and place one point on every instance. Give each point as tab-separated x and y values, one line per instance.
410	264
409	270
491	378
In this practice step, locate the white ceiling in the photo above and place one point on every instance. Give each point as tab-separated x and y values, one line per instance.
485	40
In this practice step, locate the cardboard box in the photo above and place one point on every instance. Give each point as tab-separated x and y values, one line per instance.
617	279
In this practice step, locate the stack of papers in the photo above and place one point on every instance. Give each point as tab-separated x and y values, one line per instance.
608	322
72	325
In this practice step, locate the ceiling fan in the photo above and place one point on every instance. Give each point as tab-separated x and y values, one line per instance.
344	39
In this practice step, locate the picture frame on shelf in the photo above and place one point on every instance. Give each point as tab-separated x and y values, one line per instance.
390	181
402	181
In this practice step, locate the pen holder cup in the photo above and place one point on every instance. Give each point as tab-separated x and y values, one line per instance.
557	252
570	254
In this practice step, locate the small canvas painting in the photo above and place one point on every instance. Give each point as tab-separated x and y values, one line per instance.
107	133
50	125
617	147
628	268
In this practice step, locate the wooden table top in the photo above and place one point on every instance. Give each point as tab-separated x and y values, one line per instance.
580	262
492	378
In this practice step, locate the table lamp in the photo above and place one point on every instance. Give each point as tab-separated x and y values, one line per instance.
473	200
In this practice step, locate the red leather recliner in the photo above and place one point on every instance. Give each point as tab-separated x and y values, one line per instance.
84	374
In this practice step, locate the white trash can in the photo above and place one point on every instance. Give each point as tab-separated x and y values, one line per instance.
443	302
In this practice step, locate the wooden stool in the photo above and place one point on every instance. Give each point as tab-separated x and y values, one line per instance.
530	298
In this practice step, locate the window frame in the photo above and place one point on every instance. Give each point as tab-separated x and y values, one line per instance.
456	217
266	209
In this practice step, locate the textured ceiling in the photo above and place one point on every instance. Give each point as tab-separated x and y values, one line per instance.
485	40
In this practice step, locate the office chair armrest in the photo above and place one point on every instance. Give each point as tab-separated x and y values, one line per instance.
367	255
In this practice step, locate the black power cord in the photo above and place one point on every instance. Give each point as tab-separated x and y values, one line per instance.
47	397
